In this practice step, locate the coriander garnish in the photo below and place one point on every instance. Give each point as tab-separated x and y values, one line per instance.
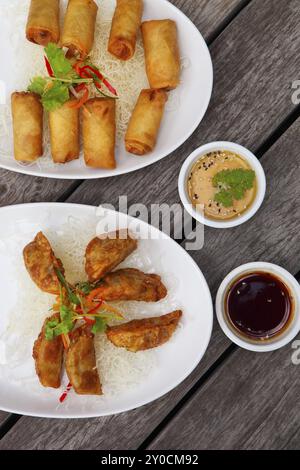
232	185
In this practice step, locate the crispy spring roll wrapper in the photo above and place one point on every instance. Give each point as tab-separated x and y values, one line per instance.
99	132
43	22
27	114
64	133
125	25
144	124
161	53
79	27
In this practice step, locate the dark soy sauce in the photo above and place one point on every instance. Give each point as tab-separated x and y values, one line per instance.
259	305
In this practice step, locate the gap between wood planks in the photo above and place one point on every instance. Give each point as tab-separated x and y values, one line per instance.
12	419
266	145
193	390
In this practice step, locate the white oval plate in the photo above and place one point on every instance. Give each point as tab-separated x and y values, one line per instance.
178	124
174	361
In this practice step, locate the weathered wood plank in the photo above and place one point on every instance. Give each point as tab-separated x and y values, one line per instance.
16	188
3	417
254	69
272	235
252	402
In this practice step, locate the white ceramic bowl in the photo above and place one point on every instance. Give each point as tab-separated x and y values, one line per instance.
278	341
247	156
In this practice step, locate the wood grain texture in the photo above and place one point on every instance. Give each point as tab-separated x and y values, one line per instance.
17	188
255	62
271	236
3	417
243	108
252	402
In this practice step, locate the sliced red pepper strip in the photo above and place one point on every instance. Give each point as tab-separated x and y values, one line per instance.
92	295
48	67
101	78
93	310
81	101
80	87
110	87
65	394
90	321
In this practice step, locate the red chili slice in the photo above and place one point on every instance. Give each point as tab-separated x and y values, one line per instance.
49	68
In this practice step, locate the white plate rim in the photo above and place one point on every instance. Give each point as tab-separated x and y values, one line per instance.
138	166
167	389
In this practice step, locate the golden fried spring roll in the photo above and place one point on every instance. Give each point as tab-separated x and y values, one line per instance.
27	114
64	133
79	27
145	122
99	132
43	22
161	53
125	25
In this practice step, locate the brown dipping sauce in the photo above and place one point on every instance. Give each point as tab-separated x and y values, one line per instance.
259	305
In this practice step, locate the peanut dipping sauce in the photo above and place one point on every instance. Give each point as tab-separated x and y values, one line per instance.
202	192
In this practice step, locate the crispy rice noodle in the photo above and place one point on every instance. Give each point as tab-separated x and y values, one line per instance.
127	77
119	369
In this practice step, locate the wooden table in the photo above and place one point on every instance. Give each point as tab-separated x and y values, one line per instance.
234	399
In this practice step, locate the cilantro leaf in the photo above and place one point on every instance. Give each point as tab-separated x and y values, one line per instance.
59	63
37	85
224	197
50	328
55	328
232	185
72	297
55	96
85	287
99	326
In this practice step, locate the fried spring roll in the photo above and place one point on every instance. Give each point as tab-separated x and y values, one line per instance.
125	25
143	127
48	357
99	132
81	364
43	22
41	263
105	252
131	284
139	335
64	133
27	114
161	53
79	27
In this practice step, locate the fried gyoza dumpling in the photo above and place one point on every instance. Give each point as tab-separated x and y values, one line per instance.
131	284
41	262
81	363
48	356
138	335
104	253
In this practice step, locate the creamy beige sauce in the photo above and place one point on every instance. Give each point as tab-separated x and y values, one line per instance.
202	192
